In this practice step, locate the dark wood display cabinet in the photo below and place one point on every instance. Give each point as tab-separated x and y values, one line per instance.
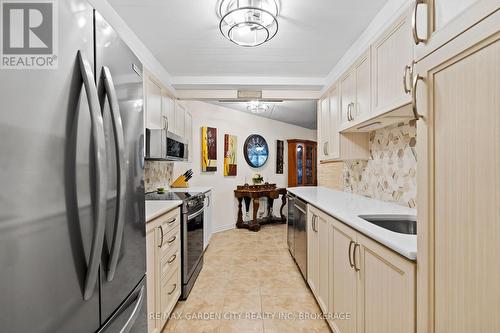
302	157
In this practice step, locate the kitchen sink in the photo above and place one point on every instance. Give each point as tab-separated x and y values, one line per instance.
403	224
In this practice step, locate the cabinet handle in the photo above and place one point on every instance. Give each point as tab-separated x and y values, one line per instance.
324	148
165	126
172	220
327	147
414	97
414	22
405	79
354	257
349	254
161	230
171	240
173	289
349	112
172	258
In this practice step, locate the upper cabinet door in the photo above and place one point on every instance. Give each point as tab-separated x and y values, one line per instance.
334	106
325	128
168	109
447	10
348	96
363	91
437	22
154	115
392	56
180	112
188	133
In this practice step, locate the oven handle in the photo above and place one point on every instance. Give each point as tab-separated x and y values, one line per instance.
192	216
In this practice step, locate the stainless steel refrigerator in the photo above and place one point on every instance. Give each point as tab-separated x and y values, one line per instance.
72	234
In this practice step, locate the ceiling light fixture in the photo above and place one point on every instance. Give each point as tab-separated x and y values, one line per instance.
248	23
258	108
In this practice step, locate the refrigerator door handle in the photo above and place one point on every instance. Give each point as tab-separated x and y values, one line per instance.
121	172
99	214
135	313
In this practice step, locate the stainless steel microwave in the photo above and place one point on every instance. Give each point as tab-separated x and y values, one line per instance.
166	146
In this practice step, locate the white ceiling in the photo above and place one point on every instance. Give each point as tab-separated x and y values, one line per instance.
184	36
300	113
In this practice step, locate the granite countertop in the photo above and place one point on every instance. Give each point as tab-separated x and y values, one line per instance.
347	206
155	208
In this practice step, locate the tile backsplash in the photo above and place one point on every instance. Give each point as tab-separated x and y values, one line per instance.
391	172
157	174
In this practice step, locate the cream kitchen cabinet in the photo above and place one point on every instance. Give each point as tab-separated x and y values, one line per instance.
168	110
333	144
392	57
437	22
366	286
207	219
188	134
458	99
386	288
355	91
179	120
318	271
312	252
344	278
163	268
324	128
162	111
153	106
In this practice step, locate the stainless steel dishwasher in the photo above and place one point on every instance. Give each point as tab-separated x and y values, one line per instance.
297	232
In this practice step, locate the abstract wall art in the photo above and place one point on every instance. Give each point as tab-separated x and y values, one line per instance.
230	151
208	149
279	156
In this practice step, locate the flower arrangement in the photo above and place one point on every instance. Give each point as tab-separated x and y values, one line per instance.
257	179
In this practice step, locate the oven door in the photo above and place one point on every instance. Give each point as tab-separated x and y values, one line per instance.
192	241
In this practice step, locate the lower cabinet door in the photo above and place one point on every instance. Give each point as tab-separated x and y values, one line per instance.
151	267
343	292
312	252
386	290
324	256
169	294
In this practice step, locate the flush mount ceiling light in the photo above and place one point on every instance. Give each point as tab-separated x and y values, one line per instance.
257	107
248	22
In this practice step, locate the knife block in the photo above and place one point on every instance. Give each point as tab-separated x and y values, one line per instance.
180	182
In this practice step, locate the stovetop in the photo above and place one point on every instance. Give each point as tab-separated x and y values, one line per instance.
184	196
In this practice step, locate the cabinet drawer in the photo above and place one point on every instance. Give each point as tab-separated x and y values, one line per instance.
170	221
169	263
171	241
170	291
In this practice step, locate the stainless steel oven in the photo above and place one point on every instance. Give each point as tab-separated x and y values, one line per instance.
192	232
164	145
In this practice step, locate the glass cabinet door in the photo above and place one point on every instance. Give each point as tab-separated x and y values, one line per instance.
300	165
309	165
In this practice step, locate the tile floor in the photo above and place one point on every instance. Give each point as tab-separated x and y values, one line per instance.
249	283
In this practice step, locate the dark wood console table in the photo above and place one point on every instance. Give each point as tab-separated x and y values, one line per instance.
254	193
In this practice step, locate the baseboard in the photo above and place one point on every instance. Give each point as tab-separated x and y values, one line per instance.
224	227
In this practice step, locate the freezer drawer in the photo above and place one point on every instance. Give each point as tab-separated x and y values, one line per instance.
131	316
